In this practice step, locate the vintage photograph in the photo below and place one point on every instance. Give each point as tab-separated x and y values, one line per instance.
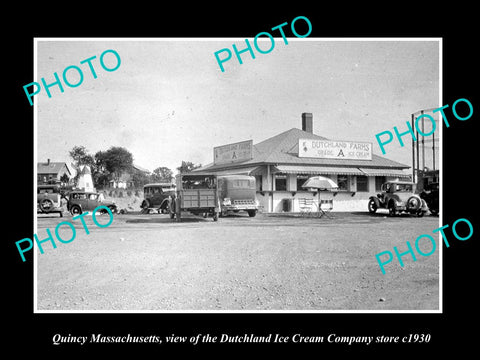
299	179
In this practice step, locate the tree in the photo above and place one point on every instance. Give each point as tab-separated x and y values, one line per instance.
64	179
162	174
140	178
81	157
100	174
115	160
187	166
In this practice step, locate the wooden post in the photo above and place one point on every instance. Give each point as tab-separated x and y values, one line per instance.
270	194
423	142
413	150
433	149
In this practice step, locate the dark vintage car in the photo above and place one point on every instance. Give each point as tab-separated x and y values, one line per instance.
49	199
398	197
157	196
430	195
237	193
80	201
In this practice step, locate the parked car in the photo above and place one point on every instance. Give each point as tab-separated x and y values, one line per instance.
157	196
237	193
398	197
49	199
80	201
196	193
430	195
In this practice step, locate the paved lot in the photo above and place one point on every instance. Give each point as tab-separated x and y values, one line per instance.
148	262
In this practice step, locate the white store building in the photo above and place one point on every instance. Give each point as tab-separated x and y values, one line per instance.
282	163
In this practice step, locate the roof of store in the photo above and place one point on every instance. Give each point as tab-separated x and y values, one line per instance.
282	149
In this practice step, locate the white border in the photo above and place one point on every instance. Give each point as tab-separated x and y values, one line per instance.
35	116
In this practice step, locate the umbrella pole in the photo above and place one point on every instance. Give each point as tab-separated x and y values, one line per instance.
319	205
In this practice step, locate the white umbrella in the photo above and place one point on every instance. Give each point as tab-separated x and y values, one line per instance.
320	183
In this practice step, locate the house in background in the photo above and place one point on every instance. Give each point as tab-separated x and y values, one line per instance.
122	182
126	179
51	172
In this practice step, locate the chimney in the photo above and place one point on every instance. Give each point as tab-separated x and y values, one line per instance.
307	122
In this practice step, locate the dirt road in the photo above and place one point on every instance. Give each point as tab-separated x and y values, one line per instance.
148	262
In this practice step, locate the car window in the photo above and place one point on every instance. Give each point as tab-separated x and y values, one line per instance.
93	196
46	191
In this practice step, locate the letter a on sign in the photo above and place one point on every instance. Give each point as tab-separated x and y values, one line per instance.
340	153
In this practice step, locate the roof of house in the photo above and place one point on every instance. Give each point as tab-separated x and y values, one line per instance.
51	167
283	149
142	169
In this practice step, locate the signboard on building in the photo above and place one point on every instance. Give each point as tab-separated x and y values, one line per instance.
332	149
232	153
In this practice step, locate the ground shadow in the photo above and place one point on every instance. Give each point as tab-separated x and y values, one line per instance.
167	220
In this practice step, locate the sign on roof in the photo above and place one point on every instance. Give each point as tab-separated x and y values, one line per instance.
232	153
331	149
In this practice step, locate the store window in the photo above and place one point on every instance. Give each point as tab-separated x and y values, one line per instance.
280	182
342	182
300	181
362	183
379	180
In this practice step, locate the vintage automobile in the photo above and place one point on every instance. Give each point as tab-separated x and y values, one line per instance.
237	193
430	195
398	197
157	196
49	199
80	201
197	193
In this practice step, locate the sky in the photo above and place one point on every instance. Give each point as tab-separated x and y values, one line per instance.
169	101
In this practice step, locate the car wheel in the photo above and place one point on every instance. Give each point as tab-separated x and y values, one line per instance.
392	209
252	213
46	205
372	206
420	213
215	216
75	210
414	203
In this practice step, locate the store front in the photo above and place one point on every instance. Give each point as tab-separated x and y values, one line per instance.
283	163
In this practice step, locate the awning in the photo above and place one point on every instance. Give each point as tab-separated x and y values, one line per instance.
242	171
318	170
385	172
